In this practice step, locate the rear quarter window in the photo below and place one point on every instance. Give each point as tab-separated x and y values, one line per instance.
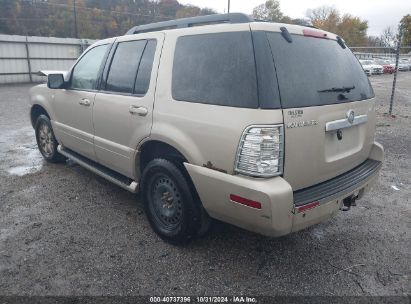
216	69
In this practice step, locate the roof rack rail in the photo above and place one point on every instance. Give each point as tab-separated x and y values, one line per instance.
192	21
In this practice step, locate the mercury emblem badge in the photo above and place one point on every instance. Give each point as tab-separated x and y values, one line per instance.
350	116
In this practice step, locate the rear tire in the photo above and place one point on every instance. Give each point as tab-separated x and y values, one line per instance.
172	207
46	141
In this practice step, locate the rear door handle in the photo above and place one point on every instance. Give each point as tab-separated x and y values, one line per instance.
85	102
135	110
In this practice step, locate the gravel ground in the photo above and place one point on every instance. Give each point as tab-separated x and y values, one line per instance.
65	231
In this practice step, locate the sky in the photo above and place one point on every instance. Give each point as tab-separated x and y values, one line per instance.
379	13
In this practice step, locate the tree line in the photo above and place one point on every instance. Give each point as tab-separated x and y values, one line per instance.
94	19
97	19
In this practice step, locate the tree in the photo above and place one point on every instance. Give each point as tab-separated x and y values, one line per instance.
324	17
351	28
321	14
406	30
192	11
207	11
188	11
374	41
389	37
301	21
11	9
268	11
95	18
168	7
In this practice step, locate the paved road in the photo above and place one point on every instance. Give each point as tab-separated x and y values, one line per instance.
65	231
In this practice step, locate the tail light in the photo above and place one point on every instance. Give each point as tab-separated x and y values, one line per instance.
261	151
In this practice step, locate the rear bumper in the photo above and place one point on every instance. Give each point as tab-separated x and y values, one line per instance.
337	186
278	214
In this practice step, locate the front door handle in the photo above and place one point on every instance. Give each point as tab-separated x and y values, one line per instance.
85	102
141	111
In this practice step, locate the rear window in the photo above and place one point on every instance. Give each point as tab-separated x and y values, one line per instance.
216	69
309	65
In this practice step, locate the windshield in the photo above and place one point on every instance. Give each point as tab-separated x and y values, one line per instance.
313	72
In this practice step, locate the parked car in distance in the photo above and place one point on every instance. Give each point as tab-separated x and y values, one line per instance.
404	64
386	65
392	63
371	67
188	113
367	66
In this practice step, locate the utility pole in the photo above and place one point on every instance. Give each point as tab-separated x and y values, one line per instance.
75	19
228	6
397	56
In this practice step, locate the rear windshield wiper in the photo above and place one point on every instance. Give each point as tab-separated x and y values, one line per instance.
342	89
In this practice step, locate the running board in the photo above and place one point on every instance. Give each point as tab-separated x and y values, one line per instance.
110	175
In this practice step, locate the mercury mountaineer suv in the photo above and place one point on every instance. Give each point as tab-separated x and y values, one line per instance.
266	126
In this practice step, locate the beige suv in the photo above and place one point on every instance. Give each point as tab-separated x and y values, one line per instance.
269	127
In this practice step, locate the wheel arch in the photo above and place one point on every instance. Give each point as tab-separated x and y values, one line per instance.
35	111
152	149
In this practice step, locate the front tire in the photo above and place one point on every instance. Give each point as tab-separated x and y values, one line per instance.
171	205
46	141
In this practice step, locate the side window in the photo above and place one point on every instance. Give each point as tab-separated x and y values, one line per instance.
124	66
216	69
144	71
86	71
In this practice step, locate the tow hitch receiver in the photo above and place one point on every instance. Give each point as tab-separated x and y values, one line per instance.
348	202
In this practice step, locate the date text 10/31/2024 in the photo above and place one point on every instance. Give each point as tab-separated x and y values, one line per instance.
204	299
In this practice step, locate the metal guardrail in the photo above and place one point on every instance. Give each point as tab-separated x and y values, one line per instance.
361	55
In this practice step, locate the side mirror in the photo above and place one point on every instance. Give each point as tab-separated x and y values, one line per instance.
55	81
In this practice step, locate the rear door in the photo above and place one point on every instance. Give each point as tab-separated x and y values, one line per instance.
327	103
122	113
